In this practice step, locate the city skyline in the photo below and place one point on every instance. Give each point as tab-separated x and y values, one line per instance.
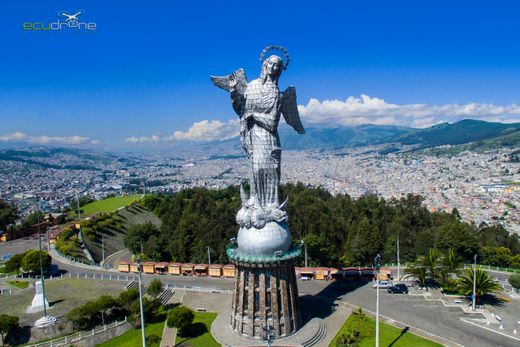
140	77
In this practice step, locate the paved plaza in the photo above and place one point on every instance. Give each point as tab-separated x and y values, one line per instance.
425	312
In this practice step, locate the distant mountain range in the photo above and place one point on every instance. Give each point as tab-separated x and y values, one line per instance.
467	134
465	131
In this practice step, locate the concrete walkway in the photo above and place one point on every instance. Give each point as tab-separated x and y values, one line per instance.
169	336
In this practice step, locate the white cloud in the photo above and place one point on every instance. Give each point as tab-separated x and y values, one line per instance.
46	139
208	130
17	136
367	110
143	139
205	130
351	112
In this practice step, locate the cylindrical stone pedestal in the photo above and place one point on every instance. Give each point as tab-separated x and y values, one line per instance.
265	295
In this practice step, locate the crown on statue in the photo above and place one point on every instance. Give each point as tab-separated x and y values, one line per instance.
278	48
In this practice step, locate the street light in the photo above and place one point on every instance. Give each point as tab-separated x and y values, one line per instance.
209	256
139	270
474	281
377	263
398	261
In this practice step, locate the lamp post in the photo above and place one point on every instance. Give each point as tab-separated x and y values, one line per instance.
377	263
139	270
398	261
474	281
209	256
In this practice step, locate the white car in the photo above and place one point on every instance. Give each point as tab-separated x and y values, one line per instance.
382	284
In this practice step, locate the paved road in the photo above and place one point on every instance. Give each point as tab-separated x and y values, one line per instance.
415	311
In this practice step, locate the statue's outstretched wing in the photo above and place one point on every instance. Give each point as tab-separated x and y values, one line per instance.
237	80
290	110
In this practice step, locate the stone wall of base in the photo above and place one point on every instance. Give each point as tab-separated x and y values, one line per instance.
265	296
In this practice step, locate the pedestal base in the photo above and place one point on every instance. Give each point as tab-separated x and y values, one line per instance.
45	322
265	295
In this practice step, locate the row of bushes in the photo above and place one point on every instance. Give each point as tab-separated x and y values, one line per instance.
107	309
101	222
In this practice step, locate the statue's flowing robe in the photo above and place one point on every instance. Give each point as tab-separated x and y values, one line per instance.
259	108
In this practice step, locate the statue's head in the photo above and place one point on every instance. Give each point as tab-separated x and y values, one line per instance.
273	67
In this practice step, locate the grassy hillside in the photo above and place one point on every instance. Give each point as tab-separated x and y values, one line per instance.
112	233
107	205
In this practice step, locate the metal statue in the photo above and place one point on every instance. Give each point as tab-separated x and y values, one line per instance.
259	104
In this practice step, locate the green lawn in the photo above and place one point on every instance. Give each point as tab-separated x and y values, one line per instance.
388	335
19	284
204	340
132	338
107	205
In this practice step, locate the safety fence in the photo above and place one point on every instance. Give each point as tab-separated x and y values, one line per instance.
77	337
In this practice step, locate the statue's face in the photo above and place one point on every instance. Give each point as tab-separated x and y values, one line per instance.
274	64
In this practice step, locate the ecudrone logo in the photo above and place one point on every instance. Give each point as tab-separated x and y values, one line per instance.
70	22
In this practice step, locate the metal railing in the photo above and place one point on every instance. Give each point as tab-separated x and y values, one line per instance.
76	337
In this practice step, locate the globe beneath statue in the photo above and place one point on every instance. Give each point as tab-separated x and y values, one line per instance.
272	239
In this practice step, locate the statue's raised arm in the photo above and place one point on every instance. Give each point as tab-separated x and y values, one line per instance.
236	84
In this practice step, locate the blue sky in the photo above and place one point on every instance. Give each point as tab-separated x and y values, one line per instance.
144	74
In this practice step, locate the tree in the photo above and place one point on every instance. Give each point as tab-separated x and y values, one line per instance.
155	288
430	262
127	297
150	308
104	304
484	285
83	316
137	235
452	262
15	263
7	324
514	280
34	218
180	317
419	273
499	256
31	260
8	214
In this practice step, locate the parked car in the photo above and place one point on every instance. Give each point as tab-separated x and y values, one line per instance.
398	289
382	284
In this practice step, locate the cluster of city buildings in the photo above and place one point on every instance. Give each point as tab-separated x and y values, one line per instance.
483	187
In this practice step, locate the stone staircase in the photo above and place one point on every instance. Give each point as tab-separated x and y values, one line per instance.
165	296
135	284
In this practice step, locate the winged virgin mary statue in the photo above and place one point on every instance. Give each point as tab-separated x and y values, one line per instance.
259	104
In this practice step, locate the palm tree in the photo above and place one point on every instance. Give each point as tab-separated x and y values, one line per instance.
484	284
431	262
419	273
452	262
